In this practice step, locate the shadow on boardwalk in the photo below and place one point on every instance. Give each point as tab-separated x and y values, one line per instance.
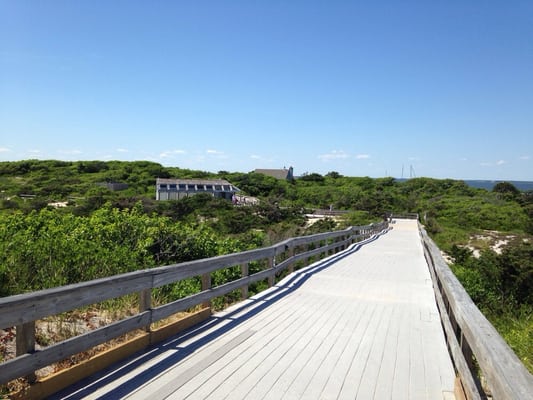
236	316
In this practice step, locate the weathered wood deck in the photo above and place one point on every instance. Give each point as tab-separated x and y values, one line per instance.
360	324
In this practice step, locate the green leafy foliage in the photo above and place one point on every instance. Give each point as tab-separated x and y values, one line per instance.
516	328
507	190
49	248
501	286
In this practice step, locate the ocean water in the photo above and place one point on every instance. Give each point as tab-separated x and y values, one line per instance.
523	186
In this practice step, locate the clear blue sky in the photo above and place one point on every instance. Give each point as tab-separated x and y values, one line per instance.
442	89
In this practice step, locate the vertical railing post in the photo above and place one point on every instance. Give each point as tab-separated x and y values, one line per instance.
290	255
145	303
25	342
245	271
467	352
272	276
206	285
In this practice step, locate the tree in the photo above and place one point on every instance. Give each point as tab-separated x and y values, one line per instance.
259	185
313	177
506	190
333	175
516	264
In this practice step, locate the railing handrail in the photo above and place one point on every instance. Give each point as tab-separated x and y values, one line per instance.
404	215
473	339
24	309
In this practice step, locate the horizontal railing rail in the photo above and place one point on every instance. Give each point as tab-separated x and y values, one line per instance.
486	365
22	311
405	216
329	212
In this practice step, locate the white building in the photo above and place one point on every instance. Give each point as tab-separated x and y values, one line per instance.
175	189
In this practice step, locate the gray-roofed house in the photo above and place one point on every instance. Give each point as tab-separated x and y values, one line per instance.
285	173
175	189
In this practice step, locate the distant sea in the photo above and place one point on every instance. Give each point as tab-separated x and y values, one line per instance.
523	186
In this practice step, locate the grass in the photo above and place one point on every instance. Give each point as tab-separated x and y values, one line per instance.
517	330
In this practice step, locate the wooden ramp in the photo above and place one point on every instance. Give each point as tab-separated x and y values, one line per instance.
362	324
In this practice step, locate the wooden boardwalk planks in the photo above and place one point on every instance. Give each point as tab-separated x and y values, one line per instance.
359	325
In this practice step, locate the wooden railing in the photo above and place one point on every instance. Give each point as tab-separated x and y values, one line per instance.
486	365
404	216
24	310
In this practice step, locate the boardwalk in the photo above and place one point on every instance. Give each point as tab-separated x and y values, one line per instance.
361	324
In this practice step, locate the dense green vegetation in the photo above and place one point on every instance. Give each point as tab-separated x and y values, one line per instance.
102	232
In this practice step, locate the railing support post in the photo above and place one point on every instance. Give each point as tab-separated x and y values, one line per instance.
145	303
25	342
245	270
468	354
206	285
272	276
291	265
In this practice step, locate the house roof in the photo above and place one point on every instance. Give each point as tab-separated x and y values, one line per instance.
276	173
